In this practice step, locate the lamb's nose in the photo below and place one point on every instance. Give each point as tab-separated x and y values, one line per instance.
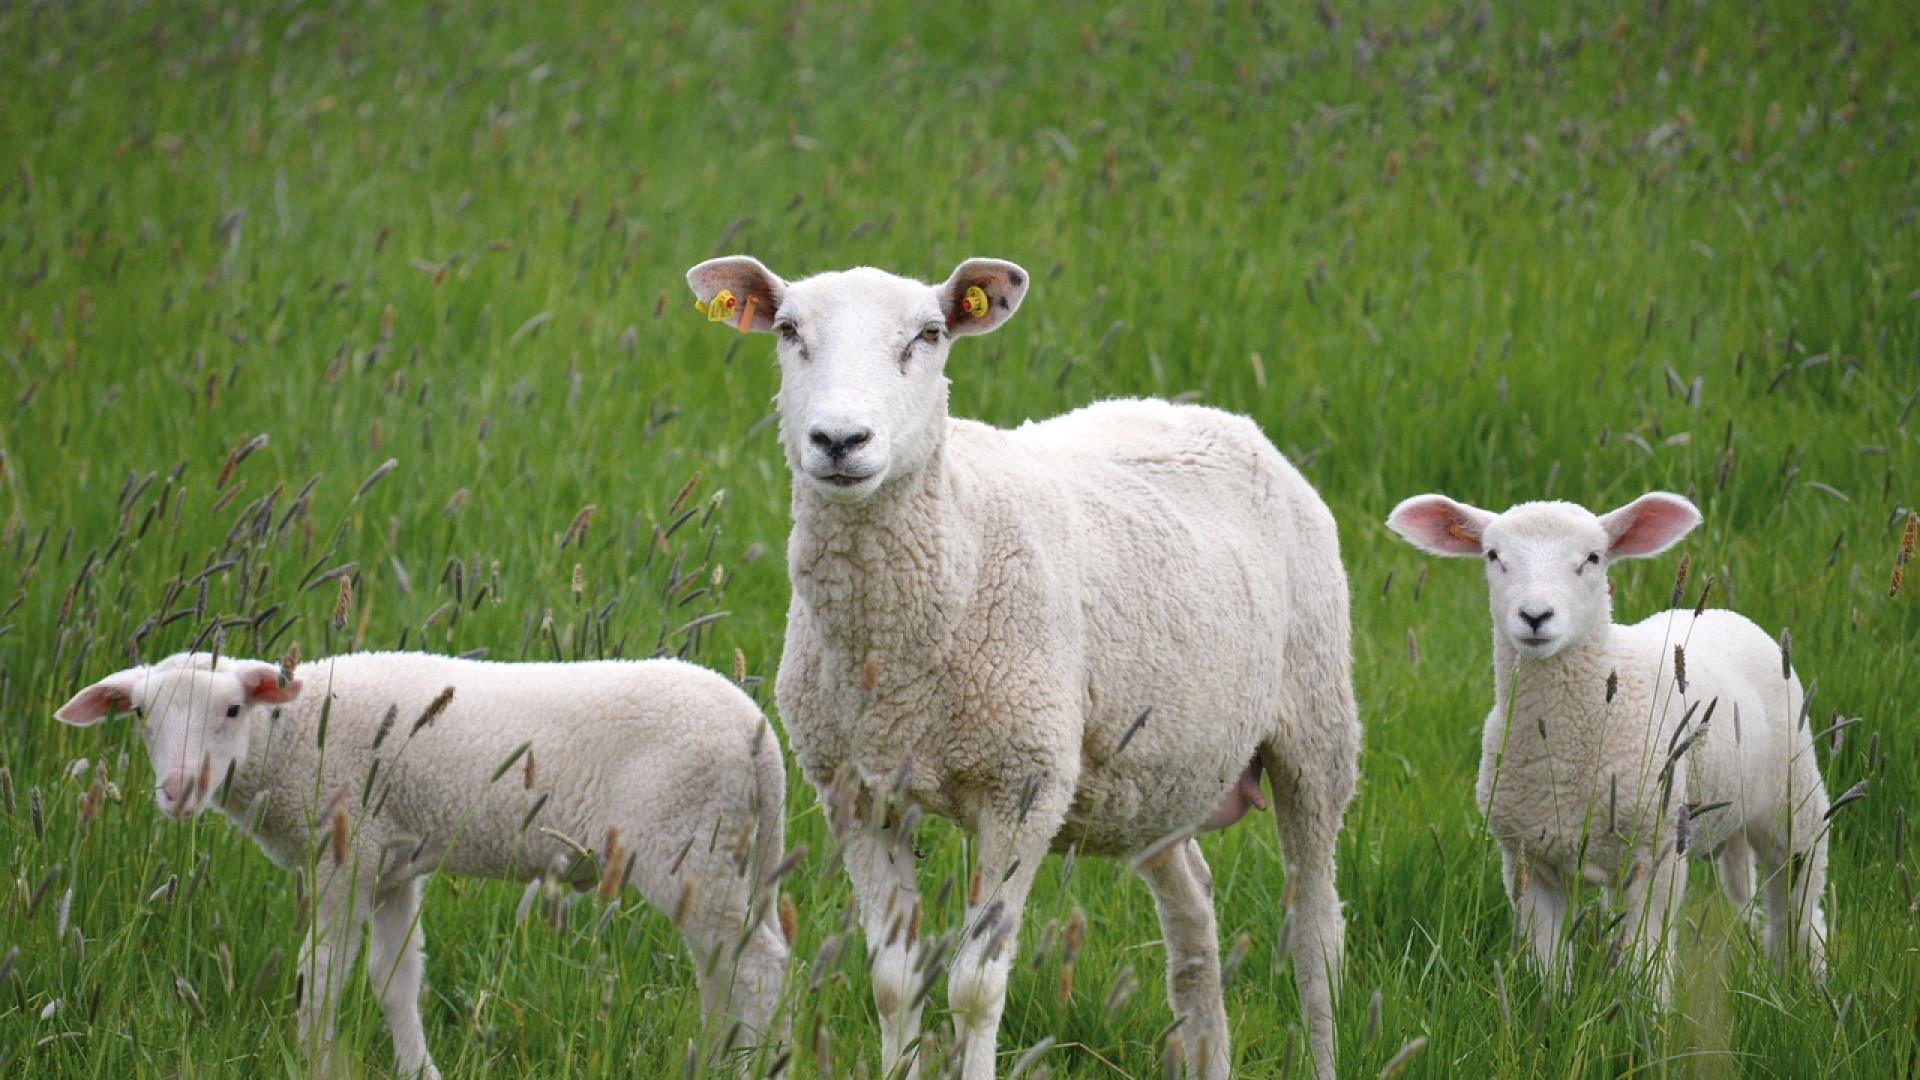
1535	621
836	444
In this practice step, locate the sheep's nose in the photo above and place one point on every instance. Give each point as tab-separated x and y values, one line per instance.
1535	622
836	444
175	790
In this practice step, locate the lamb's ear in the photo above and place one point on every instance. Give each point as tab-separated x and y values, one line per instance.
737	289
1648	525
1439	526
113	694
261	681
981	294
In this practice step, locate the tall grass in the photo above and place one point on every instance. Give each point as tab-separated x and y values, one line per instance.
1501	251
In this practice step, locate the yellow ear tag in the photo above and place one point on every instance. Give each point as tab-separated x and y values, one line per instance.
720	308
975	302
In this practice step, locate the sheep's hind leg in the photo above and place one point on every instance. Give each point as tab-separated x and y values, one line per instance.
1182	893
396	964
1308	803
879	862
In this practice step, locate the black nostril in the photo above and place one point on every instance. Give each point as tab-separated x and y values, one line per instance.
836	446
1536	621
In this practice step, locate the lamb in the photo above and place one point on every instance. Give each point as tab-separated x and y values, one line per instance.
372	770
1612	749
1091	633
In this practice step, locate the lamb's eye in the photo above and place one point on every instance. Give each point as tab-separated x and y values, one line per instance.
787	331
1593	558
931	335
1493	556
233	711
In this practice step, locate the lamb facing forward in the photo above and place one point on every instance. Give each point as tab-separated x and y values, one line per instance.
1611	749
1090	633
481	769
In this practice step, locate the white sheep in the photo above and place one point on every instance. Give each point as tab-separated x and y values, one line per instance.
1088	633
376	769
1612	748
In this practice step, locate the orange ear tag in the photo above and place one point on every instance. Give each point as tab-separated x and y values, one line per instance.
720	308
975	302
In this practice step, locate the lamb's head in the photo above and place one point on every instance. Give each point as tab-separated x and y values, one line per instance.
1546	561
863	390
193	714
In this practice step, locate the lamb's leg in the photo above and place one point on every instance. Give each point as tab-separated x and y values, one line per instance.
1308	802
1015	831
1539	914
395	966
1736	871
1182	893
1653	920
327	958
879	862
1794	885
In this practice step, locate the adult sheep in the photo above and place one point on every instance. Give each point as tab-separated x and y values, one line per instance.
376	769
1089	633
1611	749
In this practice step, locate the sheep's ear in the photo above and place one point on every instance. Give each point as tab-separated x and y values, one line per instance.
261	681
113	694
737	289
1648	525
1439	526
981	294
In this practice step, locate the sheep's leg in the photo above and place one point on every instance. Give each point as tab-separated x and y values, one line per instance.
1735	860
1307	806
879	862
1794	885
396	963
1653	919
1183	894
1012	843
327	959
1539	915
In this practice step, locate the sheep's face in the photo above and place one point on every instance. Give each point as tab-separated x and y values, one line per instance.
863	387
1546	576
1546	562
193	718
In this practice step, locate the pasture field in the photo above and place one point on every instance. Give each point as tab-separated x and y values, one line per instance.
340	325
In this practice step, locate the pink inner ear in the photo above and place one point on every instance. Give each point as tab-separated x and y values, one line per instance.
94	704
1437	524
262	684
1649	525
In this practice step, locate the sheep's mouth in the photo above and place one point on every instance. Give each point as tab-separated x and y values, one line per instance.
843	480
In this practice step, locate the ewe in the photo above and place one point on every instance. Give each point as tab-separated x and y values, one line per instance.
1089	633
482	769
1612	749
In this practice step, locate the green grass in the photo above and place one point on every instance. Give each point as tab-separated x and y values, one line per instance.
1490	250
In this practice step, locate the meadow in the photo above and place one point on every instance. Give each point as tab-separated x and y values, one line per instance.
333	326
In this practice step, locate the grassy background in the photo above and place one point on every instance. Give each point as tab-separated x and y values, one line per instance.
1504	251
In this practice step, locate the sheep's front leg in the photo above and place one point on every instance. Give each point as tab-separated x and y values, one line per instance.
1183	894
327	958
1014	834
1653	916
395	966
1539	914
879	862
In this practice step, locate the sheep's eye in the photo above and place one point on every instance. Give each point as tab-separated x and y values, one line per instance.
233	711
787	331
1493	556
931	335
1593	558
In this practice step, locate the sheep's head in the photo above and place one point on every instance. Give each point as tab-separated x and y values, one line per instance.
192	714
863	390
1546	561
